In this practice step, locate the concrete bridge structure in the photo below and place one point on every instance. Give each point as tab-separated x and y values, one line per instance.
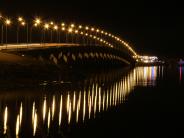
64	44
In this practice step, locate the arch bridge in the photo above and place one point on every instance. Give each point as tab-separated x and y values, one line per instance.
62	43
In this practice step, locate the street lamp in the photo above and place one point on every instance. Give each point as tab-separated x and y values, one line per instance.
91	40
87	28
46	27
76	37
36	23
80	26
2	28
20	19
72	25
21	22
83	39
62	24
70	30
63	30
51	23
56	29
7	23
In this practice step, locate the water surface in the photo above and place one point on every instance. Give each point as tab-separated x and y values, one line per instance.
138	102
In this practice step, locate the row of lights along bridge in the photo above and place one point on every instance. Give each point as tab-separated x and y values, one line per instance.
51	32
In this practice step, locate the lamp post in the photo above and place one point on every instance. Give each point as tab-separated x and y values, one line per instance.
2	32
72	27
36	22
81	38
70	30
27	30
30	32
91	40
19	21
87	28
76	37
46	27
97	31
22	23
7	23
51	23
63	29
66	36
56	29
2	28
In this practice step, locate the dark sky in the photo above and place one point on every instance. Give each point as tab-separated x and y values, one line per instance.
151	27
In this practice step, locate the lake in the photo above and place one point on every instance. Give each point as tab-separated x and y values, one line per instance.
145	101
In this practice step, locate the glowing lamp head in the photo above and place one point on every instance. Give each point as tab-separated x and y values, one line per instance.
46	26
70	30
20	19
35	25
62	24
80	26
92	29
37	21
72	25
55	27
23	23
51	23
87	28
63	28
76	31
7	22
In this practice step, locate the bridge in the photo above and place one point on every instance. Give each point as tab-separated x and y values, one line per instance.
62	43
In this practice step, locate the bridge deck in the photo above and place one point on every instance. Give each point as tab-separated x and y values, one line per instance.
102	53
35	45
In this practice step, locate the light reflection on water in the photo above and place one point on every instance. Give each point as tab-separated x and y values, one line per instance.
5	119
181	72
74	106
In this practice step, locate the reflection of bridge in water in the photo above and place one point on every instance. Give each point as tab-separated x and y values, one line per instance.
52	109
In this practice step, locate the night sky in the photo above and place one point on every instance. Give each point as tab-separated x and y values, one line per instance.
151	27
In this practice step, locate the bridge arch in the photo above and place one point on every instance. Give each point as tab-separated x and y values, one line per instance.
68	43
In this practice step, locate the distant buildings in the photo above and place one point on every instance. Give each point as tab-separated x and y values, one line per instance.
146	60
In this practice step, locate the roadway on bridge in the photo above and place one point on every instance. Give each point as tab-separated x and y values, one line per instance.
35	45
